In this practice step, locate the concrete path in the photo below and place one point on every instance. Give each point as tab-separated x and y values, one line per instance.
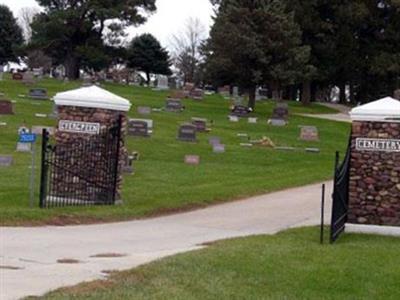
28	256
342	116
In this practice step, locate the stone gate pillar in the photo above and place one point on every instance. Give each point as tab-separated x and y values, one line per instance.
375	164
83	114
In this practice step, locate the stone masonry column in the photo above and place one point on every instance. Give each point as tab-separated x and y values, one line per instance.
375	164
82	114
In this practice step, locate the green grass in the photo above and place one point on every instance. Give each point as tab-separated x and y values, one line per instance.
162	182
289	265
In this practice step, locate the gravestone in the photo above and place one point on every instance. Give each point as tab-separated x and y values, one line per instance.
6	161
201	124
173	105
309	133
144	110
39	130
187	133
218	148
197	94
224	91
54	113
235	91
397	94
240	111
192	160
38	94
234	119
17	76
214	140
6	107
127	164
280	115
277	122
138	128
179	94
28	78
374	185
252	120
162	82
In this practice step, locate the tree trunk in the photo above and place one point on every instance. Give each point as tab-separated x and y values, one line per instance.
148	79
275	91
352	96
72	68
314	89
252	98
306	93
342	98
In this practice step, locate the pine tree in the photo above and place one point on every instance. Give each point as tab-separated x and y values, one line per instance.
146	54
254	42
10	36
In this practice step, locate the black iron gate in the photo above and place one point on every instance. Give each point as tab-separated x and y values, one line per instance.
82	171
340	196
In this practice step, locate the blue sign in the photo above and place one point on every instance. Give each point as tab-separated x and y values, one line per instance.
27	138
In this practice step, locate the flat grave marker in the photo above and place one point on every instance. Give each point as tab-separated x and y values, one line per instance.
187	133
234	119
138	128
3	124
24	147
40	115
214	140
309	133
6	107
38	94
252	120
192	160
144	110
6	161
219	148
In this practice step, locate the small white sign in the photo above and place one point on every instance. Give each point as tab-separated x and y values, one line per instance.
380	145
79	127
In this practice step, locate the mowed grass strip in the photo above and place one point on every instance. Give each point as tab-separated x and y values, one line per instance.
289	265
162	182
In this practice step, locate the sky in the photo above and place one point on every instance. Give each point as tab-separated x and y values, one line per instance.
169	19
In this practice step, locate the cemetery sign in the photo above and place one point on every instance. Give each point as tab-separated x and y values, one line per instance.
79	127
380	145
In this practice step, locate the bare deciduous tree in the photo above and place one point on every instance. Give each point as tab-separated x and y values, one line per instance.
25	18
186	48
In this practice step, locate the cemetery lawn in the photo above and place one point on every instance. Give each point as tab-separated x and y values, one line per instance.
162	183
289	265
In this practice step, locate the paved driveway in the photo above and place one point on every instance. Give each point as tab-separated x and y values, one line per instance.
28	256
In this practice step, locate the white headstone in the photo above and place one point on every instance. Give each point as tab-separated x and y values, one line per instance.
162	82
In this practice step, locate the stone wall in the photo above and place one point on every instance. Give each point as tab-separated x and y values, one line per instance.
374	178
90	161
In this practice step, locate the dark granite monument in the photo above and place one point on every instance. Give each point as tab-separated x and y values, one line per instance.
187	133
138	128
174	105
38	94
6	107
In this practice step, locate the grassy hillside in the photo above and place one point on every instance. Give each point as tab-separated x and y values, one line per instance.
162	182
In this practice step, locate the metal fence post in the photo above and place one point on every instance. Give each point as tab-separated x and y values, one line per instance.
43	175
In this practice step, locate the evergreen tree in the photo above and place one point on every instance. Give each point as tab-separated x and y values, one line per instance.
72	32
254	42
10	36
146	54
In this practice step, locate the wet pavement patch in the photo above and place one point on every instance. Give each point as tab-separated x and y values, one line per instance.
68	261
108	255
